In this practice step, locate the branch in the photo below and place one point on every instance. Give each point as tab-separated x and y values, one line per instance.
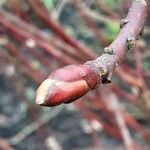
114	106
34	31
73	81
21	35
34	126
4	145
82	9
106	9
54	26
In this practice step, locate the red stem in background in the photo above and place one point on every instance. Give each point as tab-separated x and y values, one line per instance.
107	10
129	78
89	115
138	63
57	29
39	76
16	7
131	122
90	23
63	46
4	145
123	94
21	35
112	104
28	27
99	104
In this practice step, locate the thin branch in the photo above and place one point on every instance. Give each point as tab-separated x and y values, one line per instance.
109	12
82	9
113	105
58	9
138	63
129	78
34	126
4	145
39	75
58	30
34	31
105	19
21	35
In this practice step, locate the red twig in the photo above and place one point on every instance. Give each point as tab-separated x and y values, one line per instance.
106	9
90	23
53	25
16	6
34	31
4	145
123	94
129	78
21	35
108	128
39	76
113	104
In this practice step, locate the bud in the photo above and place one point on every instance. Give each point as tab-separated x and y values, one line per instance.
67	84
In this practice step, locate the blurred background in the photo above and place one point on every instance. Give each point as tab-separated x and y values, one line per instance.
38	36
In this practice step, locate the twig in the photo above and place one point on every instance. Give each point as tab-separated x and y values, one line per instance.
106	9
4	145
132	123
129	78
21	35
105	19
121	93
138	63
16	7
34	126
58	30
39	75
82	9
58	9
34	31
113	105
79	79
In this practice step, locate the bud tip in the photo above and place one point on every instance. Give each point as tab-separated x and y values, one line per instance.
42	91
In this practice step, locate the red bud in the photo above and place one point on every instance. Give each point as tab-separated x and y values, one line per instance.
67	84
